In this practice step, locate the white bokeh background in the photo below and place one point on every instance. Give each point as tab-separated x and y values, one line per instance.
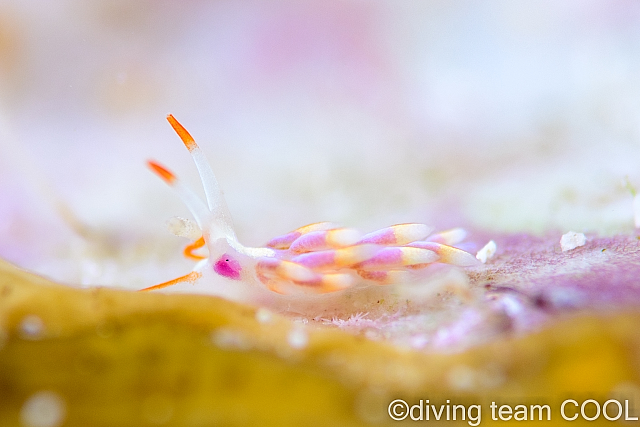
499	116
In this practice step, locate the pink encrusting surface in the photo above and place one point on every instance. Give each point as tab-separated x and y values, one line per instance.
228	267
527	285
603	272
531	281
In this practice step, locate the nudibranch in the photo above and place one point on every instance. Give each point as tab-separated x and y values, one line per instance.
317	258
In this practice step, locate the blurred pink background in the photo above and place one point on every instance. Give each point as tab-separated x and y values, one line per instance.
497	115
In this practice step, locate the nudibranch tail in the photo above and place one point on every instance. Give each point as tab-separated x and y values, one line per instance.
215	198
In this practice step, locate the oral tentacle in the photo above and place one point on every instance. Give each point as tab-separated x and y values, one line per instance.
188	250
187	278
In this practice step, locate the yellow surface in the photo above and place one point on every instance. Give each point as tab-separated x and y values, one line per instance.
121	358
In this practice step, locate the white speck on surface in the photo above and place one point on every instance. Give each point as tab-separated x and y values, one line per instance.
487	252
31	327
263	315
298	338
572	240
636	210
43	409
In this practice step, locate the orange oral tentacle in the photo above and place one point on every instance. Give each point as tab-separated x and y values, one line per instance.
188	250
189	278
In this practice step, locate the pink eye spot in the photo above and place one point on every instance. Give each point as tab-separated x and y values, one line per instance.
228	267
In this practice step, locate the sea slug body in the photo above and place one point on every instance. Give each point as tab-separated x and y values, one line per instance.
317	258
